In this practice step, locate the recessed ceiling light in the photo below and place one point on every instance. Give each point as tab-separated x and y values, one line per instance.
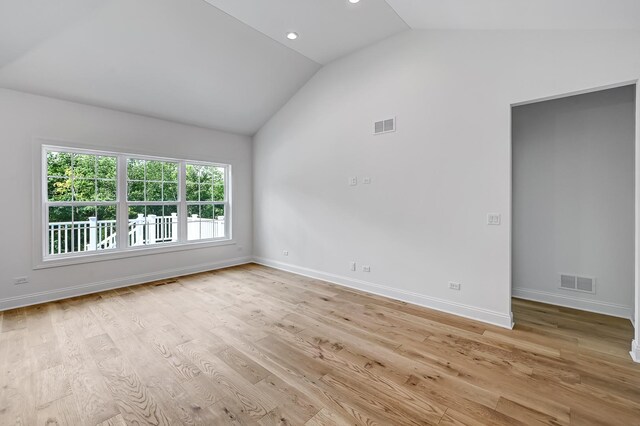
354	1
292	36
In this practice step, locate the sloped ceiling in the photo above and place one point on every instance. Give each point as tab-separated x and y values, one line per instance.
520	14
226	64
26	23
328	29
181	60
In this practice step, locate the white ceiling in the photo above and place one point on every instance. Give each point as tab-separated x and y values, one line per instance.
181	60
25	23
226	64
328	29
519	14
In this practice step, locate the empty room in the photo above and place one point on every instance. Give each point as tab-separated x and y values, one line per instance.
320	212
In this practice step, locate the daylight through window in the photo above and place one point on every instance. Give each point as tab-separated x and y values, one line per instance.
108	202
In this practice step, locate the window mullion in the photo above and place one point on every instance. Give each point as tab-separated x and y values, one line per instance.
182	207
122	224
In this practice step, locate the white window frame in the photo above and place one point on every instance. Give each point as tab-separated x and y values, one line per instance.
41	226
184	207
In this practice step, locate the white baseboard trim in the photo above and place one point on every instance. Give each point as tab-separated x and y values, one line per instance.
635	351
479	314
84	289
612	309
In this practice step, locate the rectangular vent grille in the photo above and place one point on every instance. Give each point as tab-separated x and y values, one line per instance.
568	282
384	126
585	284
577	283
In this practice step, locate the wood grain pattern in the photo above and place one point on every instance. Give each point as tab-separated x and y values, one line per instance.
252	345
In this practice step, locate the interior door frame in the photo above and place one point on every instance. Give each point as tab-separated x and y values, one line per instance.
635	344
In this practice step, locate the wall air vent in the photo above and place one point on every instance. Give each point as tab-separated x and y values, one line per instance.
586	284
568	282
384	126
577	283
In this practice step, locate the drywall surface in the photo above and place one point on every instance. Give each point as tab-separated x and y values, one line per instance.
422	221
25	118
573	199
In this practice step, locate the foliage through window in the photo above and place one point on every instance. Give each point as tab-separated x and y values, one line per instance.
205	201
152	181
95	201
81	195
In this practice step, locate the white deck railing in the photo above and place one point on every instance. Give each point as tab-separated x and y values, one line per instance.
91	235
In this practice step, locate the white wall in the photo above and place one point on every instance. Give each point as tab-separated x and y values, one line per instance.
574	198
25	117
422	221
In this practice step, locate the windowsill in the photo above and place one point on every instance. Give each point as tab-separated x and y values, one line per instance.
77	259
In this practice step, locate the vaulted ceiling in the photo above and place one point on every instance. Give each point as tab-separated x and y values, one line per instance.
328	29
181	60
520	14
226	64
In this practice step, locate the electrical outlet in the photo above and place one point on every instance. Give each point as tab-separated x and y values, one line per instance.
353	181
285	253
366	180
366	268
493	219
454	286
20	280
352	265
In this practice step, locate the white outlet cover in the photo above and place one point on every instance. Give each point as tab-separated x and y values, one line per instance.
285	253
494	219
353	180
366	269
366	180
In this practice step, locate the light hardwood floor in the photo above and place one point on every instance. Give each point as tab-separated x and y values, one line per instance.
253	345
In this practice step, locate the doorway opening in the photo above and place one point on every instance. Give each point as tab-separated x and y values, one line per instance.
573	228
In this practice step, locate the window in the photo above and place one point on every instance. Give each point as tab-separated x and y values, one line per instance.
152	195
205	201
81	202
101	202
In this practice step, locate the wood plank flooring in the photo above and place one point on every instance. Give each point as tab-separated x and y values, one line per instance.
252	345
